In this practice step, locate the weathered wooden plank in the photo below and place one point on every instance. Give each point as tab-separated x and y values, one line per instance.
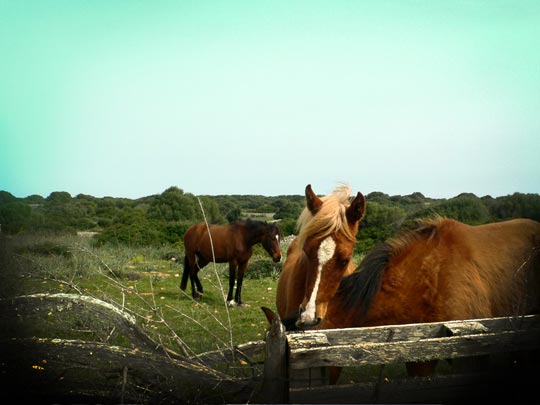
367	334
465	328
308	339
412	332
421	350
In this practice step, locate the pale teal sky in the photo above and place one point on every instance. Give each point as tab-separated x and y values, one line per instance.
127	98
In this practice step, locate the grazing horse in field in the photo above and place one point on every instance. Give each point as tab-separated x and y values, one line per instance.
232	243
443	270
319	256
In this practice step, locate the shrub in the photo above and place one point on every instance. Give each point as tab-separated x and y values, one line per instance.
136	234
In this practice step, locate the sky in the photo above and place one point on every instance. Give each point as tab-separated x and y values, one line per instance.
127	98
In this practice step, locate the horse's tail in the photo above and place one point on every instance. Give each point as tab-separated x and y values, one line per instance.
185	275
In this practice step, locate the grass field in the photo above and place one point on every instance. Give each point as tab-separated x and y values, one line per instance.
145	281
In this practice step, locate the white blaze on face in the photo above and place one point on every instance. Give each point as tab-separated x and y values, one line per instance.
325	253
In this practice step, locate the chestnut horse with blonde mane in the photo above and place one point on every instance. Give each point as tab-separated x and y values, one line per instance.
319	256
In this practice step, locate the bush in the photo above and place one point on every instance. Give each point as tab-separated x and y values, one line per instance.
136	234
261	268
14	216
466	208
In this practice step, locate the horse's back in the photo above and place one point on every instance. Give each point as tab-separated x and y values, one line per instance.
492	269
515	232
194	234
196	240
506	245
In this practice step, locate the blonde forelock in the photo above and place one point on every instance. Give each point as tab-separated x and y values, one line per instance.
331	217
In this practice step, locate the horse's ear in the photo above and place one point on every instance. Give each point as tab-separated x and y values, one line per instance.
312	201
357	209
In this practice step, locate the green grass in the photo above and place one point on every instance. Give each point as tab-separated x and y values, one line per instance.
146	282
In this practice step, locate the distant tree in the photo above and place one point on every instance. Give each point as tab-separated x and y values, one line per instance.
6	197
379	197
211	211
85	197
14	216
466	207
141	233
172	205
288	210
234	214
59	197
34	199
380	223
517	205
287	226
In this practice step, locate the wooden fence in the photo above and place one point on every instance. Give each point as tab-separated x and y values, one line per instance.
296	363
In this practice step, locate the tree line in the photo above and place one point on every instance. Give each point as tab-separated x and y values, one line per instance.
163	218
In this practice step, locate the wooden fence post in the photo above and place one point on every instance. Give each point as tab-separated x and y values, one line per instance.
275	384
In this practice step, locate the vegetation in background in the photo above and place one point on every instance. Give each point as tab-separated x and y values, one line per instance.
162	219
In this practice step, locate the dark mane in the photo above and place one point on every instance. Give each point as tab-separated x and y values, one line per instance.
257	227
360	288
250	223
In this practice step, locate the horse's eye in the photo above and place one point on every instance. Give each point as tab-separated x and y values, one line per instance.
345	262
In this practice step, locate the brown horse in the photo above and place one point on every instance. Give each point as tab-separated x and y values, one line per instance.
319	256
232	243
443	270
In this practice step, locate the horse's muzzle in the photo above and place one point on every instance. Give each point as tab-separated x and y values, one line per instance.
307	325
277	259
304	322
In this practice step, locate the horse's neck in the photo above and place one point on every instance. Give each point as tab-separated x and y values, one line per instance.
252	235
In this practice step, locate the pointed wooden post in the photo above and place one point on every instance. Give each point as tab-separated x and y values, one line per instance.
275	384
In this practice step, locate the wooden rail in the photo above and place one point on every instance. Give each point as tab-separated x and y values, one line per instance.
307	354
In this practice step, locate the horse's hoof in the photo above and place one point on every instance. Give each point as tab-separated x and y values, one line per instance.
198	297
232	304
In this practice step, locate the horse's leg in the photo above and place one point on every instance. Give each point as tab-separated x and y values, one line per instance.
333	374
185	274
232	279
196	286
190	269
241	271
198	282
193	291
